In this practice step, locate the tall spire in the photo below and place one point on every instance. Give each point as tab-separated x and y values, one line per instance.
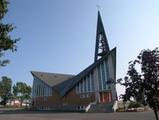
102	47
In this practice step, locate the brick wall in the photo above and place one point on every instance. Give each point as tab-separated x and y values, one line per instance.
78	99
71	101
48	101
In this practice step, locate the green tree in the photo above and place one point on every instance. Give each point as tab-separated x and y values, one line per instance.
6	42
143	86
22	91
5	89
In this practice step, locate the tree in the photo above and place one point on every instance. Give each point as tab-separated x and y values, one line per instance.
22	91
6	42
143	86
5	89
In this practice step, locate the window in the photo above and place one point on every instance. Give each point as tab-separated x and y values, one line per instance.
92	78
85	85
107	74
82	96
89	83
81	86
81	107
88	96
103	76
105	84
99	78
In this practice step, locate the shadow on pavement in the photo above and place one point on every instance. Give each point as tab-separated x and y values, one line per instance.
23	111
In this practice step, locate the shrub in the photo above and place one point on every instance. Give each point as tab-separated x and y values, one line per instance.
134	104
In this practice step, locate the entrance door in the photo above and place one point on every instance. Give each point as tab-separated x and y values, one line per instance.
105	97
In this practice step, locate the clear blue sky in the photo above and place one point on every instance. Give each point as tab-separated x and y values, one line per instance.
59	35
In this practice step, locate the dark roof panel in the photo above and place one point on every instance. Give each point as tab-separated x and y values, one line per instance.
51	79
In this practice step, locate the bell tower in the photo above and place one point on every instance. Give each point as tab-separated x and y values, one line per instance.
101	46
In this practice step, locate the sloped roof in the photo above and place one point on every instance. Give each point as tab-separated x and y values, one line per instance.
63	83
51	79
74	80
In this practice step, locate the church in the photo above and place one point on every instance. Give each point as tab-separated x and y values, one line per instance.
93	89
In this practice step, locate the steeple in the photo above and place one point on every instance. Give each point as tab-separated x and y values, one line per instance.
101	47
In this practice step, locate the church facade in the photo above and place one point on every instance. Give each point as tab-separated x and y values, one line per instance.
91	89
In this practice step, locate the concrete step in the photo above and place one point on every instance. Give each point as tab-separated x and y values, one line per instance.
102	107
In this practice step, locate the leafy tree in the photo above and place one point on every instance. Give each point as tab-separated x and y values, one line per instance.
143	86
22	91
6	42
5	89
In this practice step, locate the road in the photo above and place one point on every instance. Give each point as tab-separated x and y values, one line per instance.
77	116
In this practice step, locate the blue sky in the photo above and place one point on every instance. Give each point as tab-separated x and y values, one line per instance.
59	35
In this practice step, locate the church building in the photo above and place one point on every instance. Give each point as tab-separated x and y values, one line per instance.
93	89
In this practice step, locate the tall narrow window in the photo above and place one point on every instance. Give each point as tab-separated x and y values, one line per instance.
33	91
103	76
40	88
85	85
101	73
50	91
89	83
108	72
81	87
99	78
46	90
92	78
106	77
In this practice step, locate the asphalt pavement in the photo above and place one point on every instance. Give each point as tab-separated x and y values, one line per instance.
45	115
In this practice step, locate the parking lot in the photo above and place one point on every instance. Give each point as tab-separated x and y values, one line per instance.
28	115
